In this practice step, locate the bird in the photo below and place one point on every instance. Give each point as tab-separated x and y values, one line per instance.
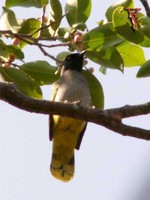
66	133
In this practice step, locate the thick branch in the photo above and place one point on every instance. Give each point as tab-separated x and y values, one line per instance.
110	118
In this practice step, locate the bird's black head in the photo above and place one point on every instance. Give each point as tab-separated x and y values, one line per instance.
74	61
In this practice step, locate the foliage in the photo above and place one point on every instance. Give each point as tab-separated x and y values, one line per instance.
113	44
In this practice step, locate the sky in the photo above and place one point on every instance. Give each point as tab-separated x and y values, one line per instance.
108	166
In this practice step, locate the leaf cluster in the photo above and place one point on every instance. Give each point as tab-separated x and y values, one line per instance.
113	43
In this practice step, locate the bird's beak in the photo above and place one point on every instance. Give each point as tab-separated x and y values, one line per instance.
82	53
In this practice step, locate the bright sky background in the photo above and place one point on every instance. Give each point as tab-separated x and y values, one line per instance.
108	165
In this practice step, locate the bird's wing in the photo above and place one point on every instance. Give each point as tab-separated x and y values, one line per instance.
81	137
55	89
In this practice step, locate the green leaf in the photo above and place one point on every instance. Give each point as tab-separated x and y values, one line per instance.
123	26
103	70
16	51
30	26
104	36
55	15
144	70
10	50
109	58
44	2
41	71
96	90
45	33
22	81
80	25
124	3
77	11
62	56
8	21
132	54
145	25
26	3
64	33
63	30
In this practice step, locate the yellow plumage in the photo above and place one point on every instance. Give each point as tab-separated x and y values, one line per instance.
66	135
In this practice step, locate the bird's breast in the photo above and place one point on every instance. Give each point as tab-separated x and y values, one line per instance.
73	86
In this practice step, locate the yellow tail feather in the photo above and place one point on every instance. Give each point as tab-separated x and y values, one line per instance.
62	171
66	134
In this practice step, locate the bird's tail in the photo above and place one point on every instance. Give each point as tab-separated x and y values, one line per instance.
61	167
66	134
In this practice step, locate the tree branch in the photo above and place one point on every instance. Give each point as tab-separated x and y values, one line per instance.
35	41
110	118
146	6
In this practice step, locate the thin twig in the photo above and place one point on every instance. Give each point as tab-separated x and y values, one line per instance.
35	42
55	45
47	54
9	63
50	24
42	20
20	36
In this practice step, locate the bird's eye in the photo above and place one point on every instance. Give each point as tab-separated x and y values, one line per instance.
69	58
